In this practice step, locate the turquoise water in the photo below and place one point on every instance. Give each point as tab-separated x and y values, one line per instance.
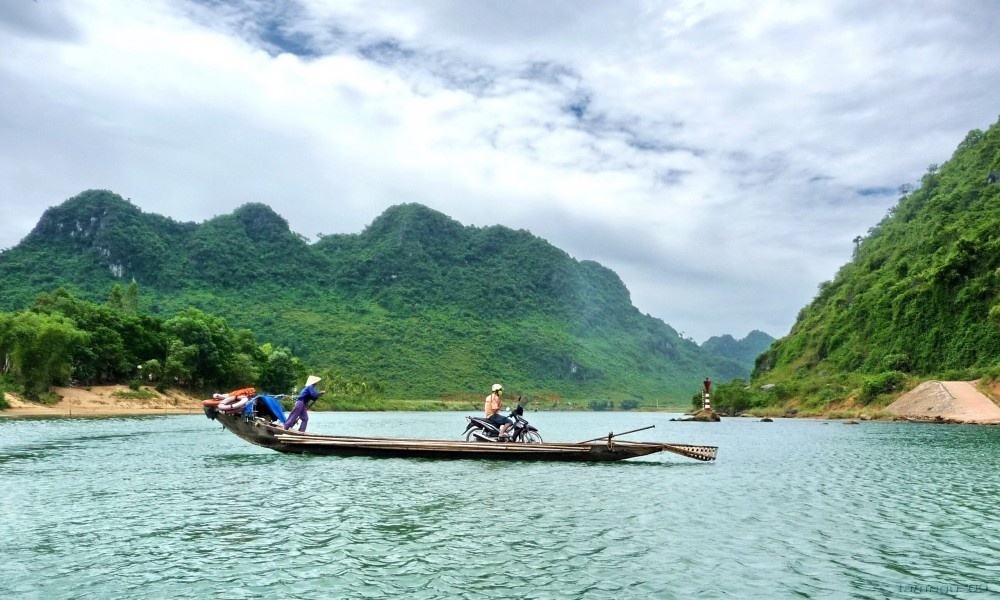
175	507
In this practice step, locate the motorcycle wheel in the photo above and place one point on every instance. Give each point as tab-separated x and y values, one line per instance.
469	437
532	437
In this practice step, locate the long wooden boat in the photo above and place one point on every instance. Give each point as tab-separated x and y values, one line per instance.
270	434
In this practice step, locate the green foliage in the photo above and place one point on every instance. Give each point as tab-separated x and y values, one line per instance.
63	338
280	371
697	401
732	398
967	374
882	383
629	404
117	342
151	371
135	393
38	348
3	400
739	396
205	352
600	405
920	296
992	373
896	362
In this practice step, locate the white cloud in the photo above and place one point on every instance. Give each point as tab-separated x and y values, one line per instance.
710	153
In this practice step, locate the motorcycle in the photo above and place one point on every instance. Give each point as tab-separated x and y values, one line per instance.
480	429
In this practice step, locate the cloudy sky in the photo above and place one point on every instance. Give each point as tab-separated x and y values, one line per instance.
719	156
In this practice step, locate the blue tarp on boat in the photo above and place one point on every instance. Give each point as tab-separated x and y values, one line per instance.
265	406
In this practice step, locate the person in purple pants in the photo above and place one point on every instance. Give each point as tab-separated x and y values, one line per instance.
300	411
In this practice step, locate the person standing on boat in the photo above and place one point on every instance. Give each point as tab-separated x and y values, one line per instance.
494	404
300	411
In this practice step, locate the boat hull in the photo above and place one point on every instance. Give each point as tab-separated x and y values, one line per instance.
273	436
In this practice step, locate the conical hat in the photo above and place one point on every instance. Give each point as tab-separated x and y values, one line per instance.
313	380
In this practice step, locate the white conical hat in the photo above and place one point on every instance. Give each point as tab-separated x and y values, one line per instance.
313	380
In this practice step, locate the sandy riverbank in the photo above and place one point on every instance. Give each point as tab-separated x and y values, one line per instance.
102	401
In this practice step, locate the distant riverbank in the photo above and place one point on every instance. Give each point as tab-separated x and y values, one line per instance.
932	401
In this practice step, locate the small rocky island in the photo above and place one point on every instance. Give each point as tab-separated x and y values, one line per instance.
705	415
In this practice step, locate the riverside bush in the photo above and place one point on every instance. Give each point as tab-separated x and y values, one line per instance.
883	383
968	374
135	394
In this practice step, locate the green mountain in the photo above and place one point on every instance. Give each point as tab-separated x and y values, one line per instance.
920	298
743	351
416	302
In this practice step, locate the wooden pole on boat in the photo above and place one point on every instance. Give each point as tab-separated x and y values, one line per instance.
613	434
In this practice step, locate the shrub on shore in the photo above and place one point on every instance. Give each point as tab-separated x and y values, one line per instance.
135	394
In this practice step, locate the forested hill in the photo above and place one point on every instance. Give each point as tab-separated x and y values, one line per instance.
417	302
921	296
744	351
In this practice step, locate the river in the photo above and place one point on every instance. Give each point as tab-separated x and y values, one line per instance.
175	507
